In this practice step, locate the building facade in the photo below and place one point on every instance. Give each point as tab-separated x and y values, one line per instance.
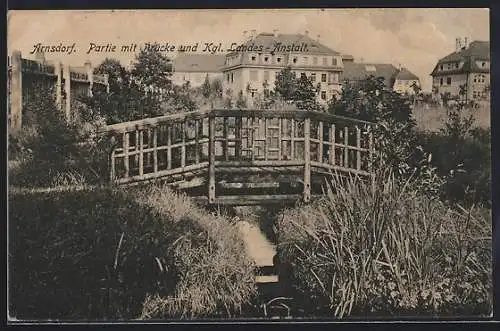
26	77
194	68
398	79
253	66
466	70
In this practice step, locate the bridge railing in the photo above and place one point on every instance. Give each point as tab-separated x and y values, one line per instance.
180	143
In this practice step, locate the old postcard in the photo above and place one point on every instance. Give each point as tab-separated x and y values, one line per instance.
249	164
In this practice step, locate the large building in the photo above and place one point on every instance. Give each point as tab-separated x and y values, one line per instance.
468	68
400	79
195	67
253	66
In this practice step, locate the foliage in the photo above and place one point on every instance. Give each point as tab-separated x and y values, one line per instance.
206	88
152	70
286	84
241	102
181	100
100	253
387	252
51	147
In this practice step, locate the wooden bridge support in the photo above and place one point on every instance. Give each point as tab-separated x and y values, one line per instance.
211	162
307	160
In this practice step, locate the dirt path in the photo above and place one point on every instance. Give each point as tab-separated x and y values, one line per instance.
257	245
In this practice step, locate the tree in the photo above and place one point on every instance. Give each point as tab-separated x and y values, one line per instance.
152	70
286	85
217	88
305	94
206	88
241	102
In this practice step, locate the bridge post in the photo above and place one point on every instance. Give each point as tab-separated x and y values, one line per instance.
237	133
307	160
211	160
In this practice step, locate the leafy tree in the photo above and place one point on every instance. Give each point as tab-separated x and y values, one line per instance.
206	88
305	94
152	70
181	100
217	88
286	85
241	102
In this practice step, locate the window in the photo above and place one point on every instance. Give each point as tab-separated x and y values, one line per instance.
227	77
483	64
303	75
441	81
323	95
323	78
313	77
475	79
266	75
315	60
334	61
448	80
456	65
232	78
325	61
294	60
254	75
278	59
266	58
441	67
276	74
254	58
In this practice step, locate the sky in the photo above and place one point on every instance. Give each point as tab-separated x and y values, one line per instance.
414	38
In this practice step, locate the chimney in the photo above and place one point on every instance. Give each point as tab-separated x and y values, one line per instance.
458	44
306	33
275	32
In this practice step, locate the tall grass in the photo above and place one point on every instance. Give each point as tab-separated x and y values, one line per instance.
103	253
387	252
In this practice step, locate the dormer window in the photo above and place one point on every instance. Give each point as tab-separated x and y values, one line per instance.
266	58
441	67
254	58
294	60
278	59
456	65
483	64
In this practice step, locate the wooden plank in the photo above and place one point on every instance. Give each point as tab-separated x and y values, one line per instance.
340	168
141	154
112	173
259	163
169	146
279	138
346	149
332	144
225	134
358	145
320	138
125	152
307	160
292	140
266	137
253	139
162	173
237	133
226	185
183	147
211	162
197	140
155	149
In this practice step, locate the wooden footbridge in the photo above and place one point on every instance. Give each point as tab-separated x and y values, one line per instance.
241	157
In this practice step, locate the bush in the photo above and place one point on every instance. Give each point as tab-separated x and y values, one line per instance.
49	148
99	253
387	252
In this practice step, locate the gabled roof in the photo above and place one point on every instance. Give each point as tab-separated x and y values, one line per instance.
405	74
477	51
359	71
194	62
269	40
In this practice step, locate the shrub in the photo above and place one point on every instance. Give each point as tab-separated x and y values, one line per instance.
387	252
100	253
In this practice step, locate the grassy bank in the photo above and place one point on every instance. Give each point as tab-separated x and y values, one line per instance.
102	253
391	252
